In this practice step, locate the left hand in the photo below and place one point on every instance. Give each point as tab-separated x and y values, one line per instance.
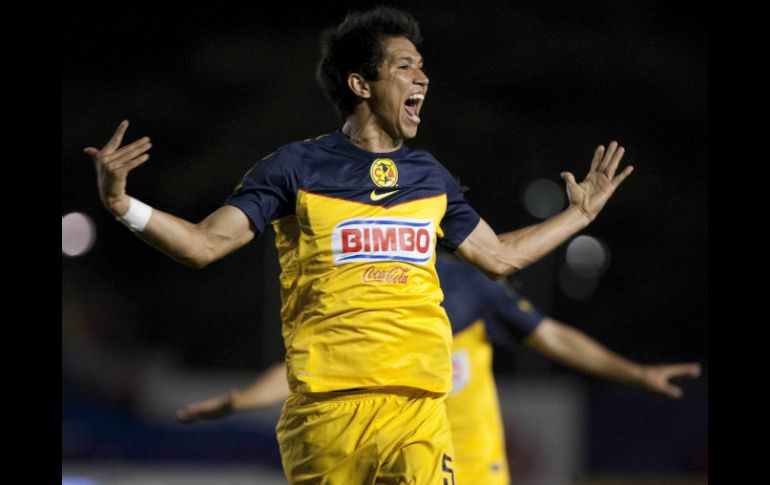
590	195
213	408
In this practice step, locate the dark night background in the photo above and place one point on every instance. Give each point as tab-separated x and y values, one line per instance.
519	90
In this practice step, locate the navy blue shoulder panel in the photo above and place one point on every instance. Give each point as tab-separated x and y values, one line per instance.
268	191
332	166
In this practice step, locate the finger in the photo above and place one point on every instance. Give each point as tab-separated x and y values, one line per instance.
91	152
128	155
571	184
696	370
185	416
620	178
608	155
135	162
673	391
114	142
615	161
193	411
126	149
597	157
686	370
568	178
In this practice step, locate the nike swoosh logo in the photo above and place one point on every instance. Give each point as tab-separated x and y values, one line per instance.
375	196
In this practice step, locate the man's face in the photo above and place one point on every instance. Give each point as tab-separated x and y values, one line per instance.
399	91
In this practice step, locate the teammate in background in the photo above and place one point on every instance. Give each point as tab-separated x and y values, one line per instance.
482	313
349	208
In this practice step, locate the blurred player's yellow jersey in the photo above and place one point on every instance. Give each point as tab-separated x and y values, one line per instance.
483	314
474	411
356	233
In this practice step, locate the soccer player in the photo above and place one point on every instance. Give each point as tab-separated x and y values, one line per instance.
482	313
357	215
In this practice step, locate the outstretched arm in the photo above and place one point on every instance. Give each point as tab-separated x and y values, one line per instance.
575	349
499	255
196	245
269	388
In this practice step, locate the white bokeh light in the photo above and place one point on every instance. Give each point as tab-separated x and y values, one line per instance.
543	198
588	257
78	234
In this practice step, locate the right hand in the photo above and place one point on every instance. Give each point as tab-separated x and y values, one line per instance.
657	377
112	167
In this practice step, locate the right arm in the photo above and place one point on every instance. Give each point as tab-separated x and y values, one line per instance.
195	245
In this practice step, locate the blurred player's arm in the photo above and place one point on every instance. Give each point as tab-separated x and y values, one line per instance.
195	245
575	349
269	388
499	255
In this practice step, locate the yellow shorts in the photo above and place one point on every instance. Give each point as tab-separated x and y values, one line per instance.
387	436
480	455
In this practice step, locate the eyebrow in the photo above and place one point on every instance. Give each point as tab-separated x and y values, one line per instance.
410	59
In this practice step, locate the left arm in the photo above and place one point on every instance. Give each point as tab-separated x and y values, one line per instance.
269	388
575	349
500	255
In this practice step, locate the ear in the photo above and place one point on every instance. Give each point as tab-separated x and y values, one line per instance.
359	85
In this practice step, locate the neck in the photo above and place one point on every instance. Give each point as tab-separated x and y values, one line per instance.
364	132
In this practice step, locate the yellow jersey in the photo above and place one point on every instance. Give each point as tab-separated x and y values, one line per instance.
356	233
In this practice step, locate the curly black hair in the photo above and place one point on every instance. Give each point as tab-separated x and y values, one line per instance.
355	46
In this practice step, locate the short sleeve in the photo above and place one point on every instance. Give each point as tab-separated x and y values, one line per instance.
268	191
516	314
460	219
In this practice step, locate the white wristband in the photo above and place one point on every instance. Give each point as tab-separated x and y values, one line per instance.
137	216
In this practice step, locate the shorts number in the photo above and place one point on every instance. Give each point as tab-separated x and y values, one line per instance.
446	466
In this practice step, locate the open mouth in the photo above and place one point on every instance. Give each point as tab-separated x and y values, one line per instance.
412	107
